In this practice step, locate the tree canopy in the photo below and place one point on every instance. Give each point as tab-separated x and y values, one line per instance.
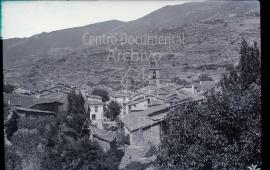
113	110
102	93
225	131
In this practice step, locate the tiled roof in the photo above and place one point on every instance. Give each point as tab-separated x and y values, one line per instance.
106	135
27	110
140	119
94	97
207	85
28	101
155	102
94	102
60	97
121	94
138	100
20	100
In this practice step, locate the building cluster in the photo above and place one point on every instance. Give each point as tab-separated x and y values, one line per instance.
142	114
143	110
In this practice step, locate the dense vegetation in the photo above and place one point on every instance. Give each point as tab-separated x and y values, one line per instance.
58	143
70	147
225	131
8	88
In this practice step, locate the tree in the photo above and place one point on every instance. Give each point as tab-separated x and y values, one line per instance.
102	93
113	110
12	125
249	65
66	149
8	88
80	154
222	133
75	103
12	160
186	141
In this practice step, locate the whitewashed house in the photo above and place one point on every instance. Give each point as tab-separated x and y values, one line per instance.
94	109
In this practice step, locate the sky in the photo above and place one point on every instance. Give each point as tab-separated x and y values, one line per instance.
24	19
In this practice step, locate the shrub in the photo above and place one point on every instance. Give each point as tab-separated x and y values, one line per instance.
12	125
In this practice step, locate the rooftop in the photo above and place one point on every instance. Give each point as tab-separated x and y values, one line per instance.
141	119
33	111
105	135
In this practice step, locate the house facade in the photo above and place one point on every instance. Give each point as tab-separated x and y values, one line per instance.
145	126
94	108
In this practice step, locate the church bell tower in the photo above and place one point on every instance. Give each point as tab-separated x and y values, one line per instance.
154	73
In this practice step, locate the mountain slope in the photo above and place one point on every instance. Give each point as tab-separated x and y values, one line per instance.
68	39
187	13
213	31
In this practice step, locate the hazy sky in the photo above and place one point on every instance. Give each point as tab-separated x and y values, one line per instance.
24	19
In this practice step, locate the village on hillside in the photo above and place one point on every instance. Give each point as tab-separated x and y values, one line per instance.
172	86
142	111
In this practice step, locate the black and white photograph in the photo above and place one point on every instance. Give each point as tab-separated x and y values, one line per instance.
132	85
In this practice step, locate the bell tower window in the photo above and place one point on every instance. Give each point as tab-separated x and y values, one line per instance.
154	74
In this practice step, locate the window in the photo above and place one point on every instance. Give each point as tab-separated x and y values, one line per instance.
96	108
93	117
154	74
148	100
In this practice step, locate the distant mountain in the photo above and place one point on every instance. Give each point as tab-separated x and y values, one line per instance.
71	38
213	31
188	13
